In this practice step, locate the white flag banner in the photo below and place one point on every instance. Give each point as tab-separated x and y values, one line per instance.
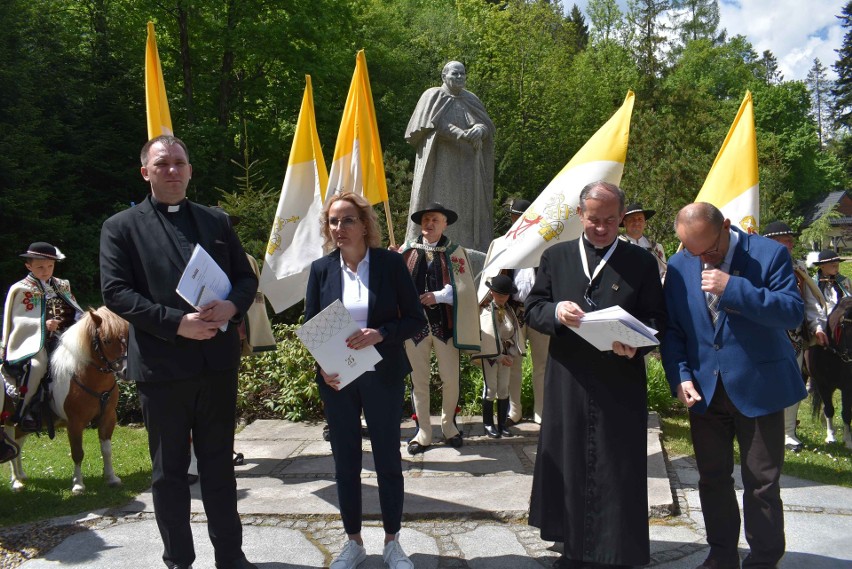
296	240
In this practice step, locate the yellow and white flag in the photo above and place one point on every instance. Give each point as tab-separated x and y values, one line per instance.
732	184
295	240
357	165
156	104
552	217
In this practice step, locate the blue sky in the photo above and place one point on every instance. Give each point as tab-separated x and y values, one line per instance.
796	31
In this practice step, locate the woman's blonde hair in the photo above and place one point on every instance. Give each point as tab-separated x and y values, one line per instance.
366	214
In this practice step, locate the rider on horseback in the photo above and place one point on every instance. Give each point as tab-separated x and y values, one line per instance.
811	331
39	308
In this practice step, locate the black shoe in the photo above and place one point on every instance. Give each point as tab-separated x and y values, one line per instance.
713	563
9	449
456	441
416	448
179	566
239	459
326	433
512	423
565	563
238	564
191	478
794	448
506	433
492	432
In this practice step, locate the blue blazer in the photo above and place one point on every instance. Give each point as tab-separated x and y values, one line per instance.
393	303
749	346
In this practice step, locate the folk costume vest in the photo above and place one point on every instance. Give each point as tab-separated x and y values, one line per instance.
449	265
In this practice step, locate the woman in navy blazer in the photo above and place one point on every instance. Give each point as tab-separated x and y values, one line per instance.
376	287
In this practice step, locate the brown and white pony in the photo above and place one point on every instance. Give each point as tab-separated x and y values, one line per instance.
85	367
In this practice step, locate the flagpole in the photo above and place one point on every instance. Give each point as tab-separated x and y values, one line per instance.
390	224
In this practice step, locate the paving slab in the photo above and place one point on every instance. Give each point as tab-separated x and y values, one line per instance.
492	547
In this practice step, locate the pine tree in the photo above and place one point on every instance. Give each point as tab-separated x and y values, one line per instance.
842	90
767	69
820	91
649	36
606	18
579	22
696	19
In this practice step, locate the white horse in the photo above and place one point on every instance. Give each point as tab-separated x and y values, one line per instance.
85	367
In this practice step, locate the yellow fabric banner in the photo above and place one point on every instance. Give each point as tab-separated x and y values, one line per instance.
357	165
156	104
732	184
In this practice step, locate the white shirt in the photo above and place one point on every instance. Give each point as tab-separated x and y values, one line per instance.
524	280
356	297
444	295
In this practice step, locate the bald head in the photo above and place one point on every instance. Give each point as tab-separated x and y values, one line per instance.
703	230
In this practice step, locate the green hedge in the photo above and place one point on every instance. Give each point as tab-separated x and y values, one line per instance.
280	385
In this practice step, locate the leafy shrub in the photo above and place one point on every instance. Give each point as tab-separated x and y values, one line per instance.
279	384
128	410
659	393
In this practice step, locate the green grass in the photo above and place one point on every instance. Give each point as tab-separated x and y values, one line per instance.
818	461
49	468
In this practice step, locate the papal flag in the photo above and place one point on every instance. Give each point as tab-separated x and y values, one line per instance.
732	184
295	240
357	165
156	104
552	217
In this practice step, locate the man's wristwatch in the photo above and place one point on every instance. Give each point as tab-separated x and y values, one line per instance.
383	331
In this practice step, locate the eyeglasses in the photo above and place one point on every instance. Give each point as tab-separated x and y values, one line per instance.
342	221
708	252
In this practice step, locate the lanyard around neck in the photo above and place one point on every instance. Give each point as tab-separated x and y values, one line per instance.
600	266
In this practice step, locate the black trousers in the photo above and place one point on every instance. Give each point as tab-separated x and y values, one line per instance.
381	399
761	441
203	407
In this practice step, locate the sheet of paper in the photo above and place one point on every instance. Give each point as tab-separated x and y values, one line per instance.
325	335
614	324
203	280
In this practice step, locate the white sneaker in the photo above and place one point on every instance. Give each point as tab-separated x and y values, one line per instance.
395	557
351	556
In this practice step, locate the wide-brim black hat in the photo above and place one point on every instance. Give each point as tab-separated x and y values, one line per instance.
501	284
637	208
435	206
43	250
778	229
519	206
827	256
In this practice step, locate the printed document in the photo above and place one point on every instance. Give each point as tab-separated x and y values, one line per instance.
614	324
203	280
325	335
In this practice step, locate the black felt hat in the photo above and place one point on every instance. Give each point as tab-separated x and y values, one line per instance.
827	256
437	207
501	284
519	206
43	250
778	229
637	208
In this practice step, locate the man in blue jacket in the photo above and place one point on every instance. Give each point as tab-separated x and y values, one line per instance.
731	297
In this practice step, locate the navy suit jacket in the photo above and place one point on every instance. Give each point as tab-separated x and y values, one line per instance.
393	303
141	265
748	347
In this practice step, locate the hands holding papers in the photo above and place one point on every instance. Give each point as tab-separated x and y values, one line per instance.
612	328
205	286
342	349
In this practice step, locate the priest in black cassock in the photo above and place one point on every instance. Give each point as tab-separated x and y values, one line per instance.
590	483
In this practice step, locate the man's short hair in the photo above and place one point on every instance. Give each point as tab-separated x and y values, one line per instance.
165	140
601	190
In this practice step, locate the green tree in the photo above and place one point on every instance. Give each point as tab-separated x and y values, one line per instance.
767	70
648	33
696	19
582	29
842	90
821	107
607	20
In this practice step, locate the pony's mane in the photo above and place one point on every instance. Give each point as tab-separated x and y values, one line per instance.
74	351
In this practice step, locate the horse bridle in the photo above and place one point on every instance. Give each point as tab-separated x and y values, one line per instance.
109	366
